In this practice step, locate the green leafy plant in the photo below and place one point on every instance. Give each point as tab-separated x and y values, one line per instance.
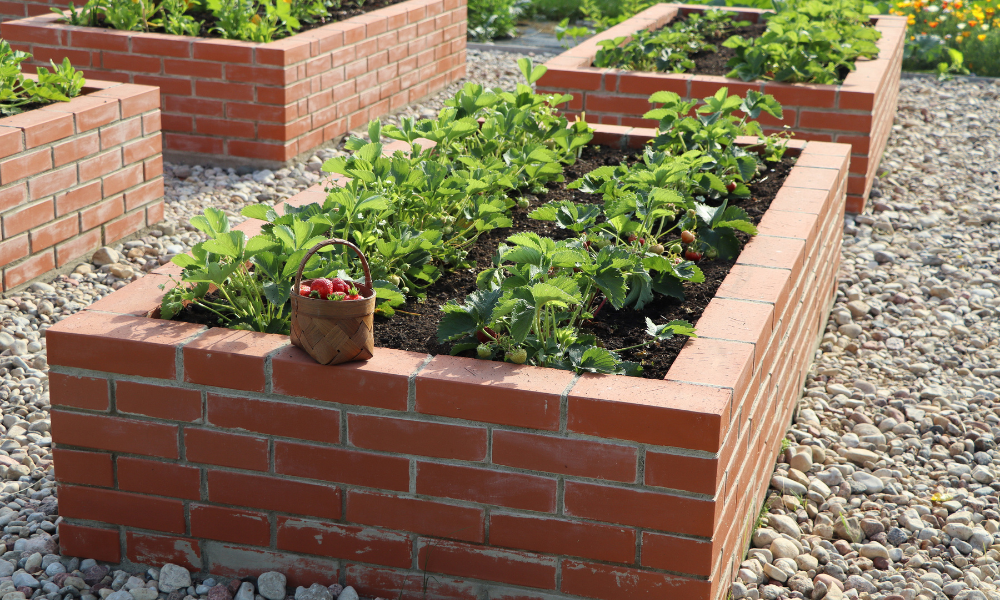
86	16
668	49
18	92
241	19
175	20
494	19
815	42
929	52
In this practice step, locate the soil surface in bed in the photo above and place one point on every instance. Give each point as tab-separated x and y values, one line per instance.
417	331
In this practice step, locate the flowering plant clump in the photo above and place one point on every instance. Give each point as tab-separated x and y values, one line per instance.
952	36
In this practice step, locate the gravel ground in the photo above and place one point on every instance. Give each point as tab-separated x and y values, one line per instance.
890	486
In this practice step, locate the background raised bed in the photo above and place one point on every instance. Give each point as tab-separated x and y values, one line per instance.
858	112
234	453
11	10
227	101
78	175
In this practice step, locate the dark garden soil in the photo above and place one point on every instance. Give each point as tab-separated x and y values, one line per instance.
714	63
417	331
346	10
415	325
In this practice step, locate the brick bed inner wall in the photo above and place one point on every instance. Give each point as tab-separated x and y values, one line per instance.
860	114
234	453
272	101
78	175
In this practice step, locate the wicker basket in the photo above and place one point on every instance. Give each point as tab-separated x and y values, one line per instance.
334	332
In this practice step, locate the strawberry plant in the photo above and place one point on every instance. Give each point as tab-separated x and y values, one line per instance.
816	42
19	93
669	49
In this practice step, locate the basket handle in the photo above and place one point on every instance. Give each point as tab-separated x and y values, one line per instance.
364	263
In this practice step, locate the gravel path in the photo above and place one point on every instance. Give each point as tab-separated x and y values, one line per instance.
890	482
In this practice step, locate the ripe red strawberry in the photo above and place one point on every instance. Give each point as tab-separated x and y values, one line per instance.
692	255
339	285
483	335
322	287
731	187
304	290
687	237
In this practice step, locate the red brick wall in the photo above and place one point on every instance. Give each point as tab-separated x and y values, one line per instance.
78	175
270	102
235	453
859	111
18	9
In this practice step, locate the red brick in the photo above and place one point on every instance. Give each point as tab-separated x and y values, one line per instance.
680	472
12	196
639	508
417	437
237	561
263	151
131	510
86	468
88	111
122	180
491	391
478	562
193	68
680	555
380	382
151	123
52	182
144	194
77	247
97	542
381	582
41	126
146	548
135	99
54	232
159	402
119	228
153	168
416	515
718	363
100	165
230	359
11	141
36	266
260	112
76	149
194	106
343	541
264	75
103	212
228	525
567	456
611	583
141	149
487	486
224	51
161	45
275	418
158	478
225	449
558	536
273	493
844	122
25	165
342	466
115	434
655	412
99	39
118	133
757	284
192	143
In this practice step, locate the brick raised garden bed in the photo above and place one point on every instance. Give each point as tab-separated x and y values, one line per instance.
77	175
858	112
233	101
235	453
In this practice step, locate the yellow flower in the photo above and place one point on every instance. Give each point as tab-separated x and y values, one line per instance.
981	37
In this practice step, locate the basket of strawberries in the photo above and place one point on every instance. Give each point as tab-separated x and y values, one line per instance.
332	319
